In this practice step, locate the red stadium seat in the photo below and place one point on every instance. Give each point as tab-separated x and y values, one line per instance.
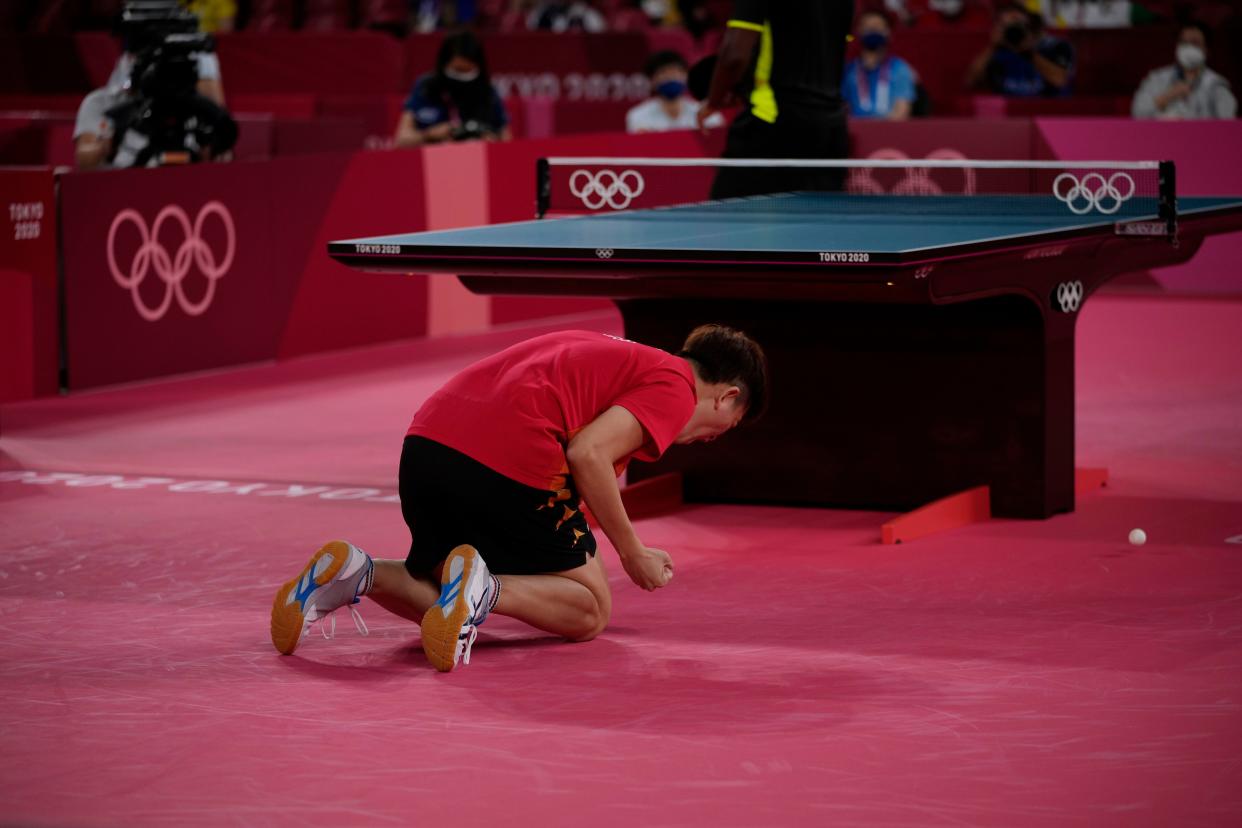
270	16
327	16
392	15
628	20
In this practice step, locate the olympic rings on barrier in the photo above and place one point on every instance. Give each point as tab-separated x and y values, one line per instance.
1081	198
172	270
1069	296
615	190
915	180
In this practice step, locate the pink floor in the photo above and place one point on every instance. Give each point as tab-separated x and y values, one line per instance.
795	673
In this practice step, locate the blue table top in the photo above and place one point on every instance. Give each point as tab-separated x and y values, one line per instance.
793	222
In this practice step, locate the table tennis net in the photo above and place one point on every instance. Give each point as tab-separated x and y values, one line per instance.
939	187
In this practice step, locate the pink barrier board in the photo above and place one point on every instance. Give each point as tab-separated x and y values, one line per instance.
184	269
1206	156
29	348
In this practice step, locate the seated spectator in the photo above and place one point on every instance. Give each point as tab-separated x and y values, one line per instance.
941	14
1086	14
94	130
1022	61
1186	89
668	108
137	40
456	102
156	118
214	16
568	15
876	84
696	17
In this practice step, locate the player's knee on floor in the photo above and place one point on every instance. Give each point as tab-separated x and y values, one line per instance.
594	622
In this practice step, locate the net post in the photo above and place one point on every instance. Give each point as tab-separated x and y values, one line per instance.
543	187
1168	197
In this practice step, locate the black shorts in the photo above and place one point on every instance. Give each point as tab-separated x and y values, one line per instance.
796	134
448	499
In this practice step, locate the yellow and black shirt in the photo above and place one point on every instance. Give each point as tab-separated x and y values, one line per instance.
801	52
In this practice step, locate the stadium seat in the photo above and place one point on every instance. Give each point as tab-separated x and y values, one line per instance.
389	15
270	16
327	16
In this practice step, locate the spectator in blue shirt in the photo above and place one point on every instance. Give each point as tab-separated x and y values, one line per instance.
456	102
876	84
1022	61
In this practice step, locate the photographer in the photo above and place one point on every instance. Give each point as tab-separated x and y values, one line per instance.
158	117
1022	60
456	102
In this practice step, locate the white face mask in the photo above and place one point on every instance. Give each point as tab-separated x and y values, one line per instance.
464	77
949	8
1190	56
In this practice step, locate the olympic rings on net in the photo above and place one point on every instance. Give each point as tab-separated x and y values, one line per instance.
606	188
1081	197
172	269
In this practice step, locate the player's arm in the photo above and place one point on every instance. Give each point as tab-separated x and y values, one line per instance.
1055	63
591	456
91	150
732	59
409	135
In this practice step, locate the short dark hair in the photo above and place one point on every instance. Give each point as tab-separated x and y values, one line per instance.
666	57
462	44
722	354
1201	26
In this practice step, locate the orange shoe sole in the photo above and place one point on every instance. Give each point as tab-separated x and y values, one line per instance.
441	625
288	621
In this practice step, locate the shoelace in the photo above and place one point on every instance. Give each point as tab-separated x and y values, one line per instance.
329	630
470	637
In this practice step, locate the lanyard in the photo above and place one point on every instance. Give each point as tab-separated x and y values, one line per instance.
883	88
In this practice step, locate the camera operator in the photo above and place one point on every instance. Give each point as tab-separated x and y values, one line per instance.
456	102
158	117
144	24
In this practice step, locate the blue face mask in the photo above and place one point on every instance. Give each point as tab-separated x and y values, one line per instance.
874	41
671	90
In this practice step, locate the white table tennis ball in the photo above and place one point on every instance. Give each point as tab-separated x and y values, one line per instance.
1138	537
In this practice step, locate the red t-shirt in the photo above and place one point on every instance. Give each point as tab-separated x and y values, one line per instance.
515	412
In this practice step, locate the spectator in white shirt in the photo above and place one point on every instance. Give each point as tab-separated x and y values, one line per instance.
1187	89
669	107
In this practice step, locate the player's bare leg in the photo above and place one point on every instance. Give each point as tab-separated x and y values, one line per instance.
399	592
575	604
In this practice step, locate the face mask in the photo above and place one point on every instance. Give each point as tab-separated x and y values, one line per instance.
1015	34
1190	56
461	77
671	90
874	41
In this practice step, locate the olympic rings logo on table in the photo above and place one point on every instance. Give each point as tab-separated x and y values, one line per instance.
1081	197
606	188
172	269
1070	296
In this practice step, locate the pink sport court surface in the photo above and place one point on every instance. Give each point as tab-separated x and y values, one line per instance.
796	671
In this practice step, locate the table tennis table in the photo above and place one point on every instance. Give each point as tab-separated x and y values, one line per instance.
918	345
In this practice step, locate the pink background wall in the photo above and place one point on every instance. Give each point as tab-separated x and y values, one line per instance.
1207	157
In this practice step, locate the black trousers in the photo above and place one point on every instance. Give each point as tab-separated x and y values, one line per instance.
797	133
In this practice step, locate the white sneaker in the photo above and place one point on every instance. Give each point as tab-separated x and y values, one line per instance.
450	626
336	575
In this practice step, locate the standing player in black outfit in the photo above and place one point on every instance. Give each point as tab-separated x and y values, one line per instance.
795	106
